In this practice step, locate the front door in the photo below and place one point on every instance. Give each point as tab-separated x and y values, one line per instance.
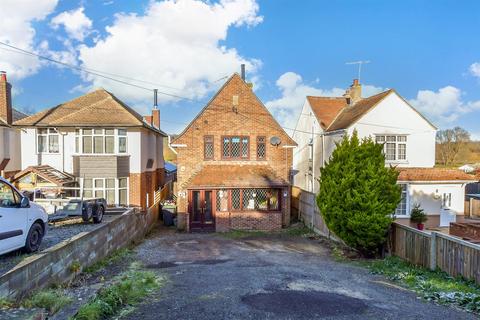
201	211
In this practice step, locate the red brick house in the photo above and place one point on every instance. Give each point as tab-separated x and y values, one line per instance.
234	163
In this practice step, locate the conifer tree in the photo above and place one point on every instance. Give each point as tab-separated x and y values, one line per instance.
358	194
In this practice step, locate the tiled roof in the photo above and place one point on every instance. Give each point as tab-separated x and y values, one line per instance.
99	108
350	114
17	115
50	174
236	176
326	108
433	174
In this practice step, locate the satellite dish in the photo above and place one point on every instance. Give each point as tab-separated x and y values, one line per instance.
275	141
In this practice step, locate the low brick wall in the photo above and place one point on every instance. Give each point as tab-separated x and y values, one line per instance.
248	220
54	265
470	230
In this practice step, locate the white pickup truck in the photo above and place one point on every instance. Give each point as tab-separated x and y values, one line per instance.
23	224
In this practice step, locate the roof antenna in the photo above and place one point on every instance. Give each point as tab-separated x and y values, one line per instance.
155	98
360	62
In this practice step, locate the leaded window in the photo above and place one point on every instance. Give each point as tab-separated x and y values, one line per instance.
261	148
222	200
261	199
236	199
235	147
208	147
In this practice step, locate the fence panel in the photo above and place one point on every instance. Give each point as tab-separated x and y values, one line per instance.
411	245
455	256
305	204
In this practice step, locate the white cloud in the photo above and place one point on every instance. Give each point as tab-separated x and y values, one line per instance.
76	23
294	91
443	106
16	29
174	43
475	69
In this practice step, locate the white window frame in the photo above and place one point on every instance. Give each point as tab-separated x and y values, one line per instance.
407	201
386	138
104	188
79	135
50	133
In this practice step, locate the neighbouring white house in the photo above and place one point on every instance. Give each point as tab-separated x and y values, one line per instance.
409	145
10	161
111	150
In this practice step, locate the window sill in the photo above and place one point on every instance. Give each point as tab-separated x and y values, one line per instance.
100	154
396	161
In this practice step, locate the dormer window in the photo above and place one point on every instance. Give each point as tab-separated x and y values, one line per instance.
395	146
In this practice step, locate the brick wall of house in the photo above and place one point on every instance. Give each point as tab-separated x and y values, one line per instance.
223	118
142	183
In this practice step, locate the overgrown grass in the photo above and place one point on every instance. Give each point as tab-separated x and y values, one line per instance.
6	303
128	289
118	255
51	300
431	285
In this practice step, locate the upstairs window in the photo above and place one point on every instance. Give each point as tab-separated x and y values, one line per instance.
235	147
47	140
100	141
261	148
395	147
208	147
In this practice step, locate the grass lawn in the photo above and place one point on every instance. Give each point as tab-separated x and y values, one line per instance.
431	285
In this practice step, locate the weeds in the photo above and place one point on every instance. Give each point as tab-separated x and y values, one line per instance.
240	234
129	288
120	254
51	300
6	303
435	286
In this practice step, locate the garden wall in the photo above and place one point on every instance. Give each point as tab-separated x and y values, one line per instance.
58	264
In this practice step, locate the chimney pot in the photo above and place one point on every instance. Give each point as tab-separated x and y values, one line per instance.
355	82
242	68
3	76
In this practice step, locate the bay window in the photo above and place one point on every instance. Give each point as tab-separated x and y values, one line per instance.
47	140
258	199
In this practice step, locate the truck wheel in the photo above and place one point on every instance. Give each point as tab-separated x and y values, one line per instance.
34	238
97	218
87	213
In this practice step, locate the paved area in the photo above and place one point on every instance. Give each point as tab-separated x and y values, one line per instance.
273	277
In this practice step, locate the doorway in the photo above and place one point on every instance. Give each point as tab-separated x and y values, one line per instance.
202	217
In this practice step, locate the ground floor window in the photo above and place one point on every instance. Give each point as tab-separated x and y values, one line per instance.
114	190
262	199
402	206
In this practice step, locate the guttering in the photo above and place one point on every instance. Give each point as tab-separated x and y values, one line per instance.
327	133
175	145
437	182
289	147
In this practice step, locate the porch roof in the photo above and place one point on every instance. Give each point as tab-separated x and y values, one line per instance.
434	174
50	174
236	176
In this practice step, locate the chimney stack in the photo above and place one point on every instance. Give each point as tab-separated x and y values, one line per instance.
355	92
242	68
5	98
156	118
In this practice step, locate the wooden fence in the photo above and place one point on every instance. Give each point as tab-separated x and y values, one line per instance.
437	250
304	205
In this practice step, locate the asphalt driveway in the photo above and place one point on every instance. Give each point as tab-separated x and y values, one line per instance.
272	277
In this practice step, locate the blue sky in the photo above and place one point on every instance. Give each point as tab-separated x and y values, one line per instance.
427	50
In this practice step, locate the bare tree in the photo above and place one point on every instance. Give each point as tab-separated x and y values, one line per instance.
449	143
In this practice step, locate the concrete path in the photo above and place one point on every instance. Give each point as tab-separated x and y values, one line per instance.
273	277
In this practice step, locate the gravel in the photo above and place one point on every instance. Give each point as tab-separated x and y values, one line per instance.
56	233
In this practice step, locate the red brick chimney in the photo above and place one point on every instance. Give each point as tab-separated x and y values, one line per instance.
355	91
148	119
5	98
156	118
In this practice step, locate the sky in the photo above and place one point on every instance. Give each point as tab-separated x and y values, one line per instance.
429	51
